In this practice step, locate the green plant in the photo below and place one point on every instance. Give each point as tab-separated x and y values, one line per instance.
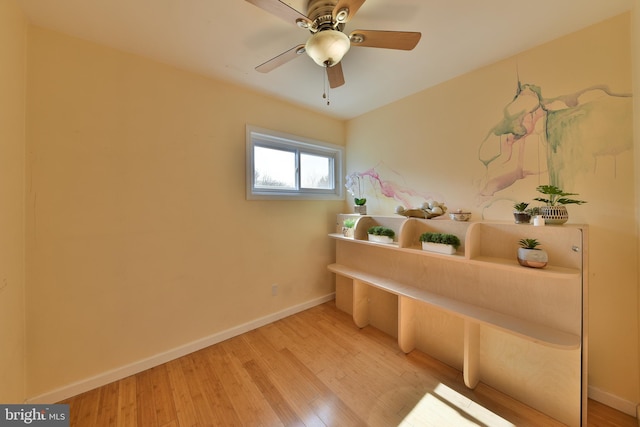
556	196
529	244
379	230
534	211
445	239
349	223
359	202
521	207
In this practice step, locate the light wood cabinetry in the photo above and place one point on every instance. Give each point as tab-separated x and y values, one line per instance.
518	329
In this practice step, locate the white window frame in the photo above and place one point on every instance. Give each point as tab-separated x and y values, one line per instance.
256	136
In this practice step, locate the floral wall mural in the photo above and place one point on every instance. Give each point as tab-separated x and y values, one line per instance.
556	138
550	139
383	182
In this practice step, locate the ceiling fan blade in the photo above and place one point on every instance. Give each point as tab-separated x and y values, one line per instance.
335	75
281	10
281	59
402	40
351	5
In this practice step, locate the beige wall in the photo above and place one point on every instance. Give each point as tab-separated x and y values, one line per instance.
636	127
13	29
431	144
139	237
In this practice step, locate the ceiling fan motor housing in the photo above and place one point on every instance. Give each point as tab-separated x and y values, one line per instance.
320	9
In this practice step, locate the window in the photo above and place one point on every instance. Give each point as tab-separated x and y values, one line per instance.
281	166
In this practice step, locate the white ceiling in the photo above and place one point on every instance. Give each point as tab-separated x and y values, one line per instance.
226	39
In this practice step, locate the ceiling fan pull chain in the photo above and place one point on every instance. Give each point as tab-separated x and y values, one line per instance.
325	94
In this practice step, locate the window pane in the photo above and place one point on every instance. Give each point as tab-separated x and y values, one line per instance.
315	171
289	167
274	169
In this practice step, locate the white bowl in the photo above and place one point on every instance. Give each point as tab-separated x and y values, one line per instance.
460	216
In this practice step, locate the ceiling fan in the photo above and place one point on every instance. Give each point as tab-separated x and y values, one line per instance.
325	20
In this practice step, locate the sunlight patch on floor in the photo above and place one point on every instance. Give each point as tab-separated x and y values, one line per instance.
447	407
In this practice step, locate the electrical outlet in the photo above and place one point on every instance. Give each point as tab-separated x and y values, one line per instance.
274	290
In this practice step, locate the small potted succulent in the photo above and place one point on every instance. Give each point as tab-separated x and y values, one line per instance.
536	214
555	211
440	242
521	214
381	234
530	255
347	227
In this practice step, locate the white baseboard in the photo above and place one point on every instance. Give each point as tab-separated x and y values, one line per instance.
613	401
158	359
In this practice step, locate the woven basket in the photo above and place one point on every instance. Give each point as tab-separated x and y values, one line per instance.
554	214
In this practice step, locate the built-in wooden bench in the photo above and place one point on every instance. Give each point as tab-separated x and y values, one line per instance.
528	330
473	316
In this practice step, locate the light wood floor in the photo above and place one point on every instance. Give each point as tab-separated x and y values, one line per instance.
315	368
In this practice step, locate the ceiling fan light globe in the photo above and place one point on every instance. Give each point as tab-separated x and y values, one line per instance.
327	47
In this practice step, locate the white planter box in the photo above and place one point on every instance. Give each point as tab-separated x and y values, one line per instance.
380	239
439	248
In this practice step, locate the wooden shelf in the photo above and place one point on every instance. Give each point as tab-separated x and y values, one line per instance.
364	242
512	264
490	261
475	292
525	329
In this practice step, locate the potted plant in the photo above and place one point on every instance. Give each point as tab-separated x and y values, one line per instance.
354	187
555	211
536	214
521	214
381	234
347	227
440	242
530	255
